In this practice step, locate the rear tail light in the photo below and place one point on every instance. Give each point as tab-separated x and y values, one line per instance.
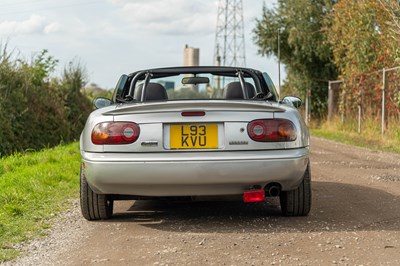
115	133
272	130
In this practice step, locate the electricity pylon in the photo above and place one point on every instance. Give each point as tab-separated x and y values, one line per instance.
229	47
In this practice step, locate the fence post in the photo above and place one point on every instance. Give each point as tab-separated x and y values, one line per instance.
359	119
333	98
306	108
360	110
329	101
383	102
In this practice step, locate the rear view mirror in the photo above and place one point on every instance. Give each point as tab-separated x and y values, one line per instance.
195	80
101	102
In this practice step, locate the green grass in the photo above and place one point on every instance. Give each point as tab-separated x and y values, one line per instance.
34	188
370	137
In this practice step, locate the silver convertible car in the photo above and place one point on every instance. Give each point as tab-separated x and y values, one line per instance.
198	133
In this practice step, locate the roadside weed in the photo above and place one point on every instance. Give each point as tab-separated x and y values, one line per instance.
370	136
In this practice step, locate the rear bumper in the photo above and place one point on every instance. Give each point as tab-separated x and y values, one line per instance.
193	174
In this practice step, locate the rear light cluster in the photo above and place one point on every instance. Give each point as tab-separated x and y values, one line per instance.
115	133
272	130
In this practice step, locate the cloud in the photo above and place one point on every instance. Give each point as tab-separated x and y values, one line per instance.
174	17
34	25
51	28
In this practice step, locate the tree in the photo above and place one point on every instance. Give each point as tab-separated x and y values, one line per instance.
392	8
365	36
304	48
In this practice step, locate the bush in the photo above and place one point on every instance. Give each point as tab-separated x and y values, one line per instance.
36	110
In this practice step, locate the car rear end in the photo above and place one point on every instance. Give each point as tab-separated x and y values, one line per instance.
194	148
195	139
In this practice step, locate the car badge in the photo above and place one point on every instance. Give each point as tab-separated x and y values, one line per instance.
238	143
151	143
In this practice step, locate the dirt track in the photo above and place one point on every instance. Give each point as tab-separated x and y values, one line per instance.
355	220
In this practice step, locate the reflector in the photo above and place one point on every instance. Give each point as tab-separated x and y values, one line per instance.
256	195
257	130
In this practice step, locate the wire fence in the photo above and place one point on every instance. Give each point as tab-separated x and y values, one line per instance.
371	99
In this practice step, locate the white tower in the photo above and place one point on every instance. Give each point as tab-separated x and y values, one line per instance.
191	56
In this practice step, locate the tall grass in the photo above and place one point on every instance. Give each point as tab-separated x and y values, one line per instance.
34	187
370	136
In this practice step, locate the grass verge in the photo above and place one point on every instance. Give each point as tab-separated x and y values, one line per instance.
370	137
34	188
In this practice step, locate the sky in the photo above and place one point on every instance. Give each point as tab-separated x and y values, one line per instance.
114	37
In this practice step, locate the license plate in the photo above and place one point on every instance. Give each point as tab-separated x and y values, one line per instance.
194	136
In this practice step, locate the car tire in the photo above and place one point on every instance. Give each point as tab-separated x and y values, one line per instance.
297	202
94	206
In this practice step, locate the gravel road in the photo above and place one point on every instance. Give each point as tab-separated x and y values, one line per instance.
355	220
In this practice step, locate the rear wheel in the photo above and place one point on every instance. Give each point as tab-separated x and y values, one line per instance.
94	206
297	202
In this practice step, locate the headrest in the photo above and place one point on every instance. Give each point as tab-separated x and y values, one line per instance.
234	90
154	92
